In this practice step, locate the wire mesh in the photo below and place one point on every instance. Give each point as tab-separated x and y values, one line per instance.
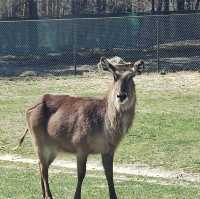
60	47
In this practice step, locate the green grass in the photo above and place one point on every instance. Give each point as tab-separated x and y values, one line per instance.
166	131
23	182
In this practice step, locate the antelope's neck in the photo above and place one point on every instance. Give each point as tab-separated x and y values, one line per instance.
118	121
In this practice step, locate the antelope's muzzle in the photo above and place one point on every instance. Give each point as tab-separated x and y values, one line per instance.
122	96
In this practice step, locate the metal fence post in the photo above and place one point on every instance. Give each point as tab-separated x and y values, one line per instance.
75	46
158	42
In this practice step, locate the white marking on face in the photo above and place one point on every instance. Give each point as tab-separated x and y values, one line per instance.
122	104
124	101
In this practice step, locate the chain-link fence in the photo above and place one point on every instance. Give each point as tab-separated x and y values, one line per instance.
165	43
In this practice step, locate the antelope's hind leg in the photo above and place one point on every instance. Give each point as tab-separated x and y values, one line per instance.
44	163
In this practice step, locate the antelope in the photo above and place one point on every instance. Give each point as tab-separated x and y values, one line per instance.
83	126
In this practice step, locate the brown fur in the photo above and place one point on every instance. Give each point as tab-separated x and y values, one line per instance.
82	126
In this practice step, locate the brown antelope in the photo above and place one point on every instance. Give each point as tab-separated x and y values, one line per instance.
84	126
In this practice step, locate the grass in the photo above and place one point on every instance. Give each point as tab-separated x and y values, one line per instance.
166	128
23	182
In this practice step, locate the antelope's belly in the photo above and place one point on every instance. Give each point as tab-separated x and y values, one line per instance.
97	144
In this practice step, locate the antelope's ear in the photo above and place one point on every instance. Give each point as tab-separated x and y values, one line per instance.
109	67
138	67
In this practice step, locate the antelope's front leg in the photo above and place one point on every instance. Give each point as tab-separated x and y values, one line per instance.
107	160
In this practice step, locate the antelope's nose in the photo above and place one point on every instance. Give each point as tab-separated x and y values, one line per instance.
122	96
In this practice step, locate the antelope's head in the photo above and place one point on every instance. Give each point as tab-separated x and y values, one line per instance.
122	94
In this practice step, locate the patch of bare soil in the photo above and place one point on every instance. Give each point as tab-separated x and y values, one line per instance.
128	169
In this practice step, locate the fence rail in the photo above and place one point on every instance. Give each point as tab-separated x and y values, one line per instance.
169	43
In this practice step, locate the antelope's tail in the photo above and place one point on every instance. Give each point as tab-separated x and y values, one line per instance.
21	140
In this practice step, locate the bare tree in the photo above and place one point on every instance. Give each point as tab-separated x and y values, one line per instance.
75	7
152	6
101	6
32	6
166	6
188	4
159	8
59	8
180	5
197	5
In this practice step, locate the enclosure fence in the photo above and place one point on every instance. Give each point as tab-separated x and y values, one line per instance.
63	46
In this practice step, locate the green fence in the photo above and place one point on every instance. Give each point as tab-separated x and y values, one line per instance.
170	43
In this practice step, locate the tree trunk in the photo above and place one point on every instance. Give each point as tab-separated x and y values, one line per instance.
197	5
58	8
101	6
84	4
32	27
75	7
104	6
188	4
98	7
180	5
24	9
159	9
152	6
47	8
32	9
166	6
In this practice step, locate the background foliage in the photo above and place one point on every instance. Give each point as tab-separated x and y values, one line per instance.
62	8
